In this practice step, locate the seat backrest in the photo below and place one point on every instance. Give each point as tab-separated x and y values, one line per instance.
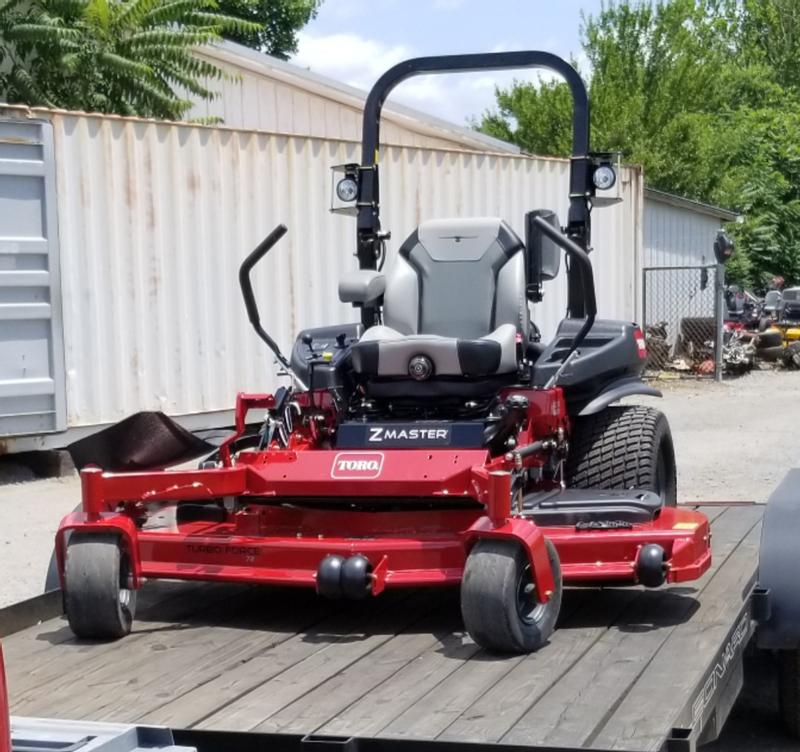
458	278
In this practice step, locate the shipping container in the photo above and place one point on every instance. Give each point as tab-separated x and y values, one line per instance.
150	221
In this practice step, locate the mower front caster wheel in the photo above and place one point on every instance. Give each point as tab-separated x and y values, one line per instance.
98	597
499	605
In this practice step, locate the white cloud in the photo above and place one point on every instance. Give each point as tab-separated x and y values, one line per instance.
359	62
348	57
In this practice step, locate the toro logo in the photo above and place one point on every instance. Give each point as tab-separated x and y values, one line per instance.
357	465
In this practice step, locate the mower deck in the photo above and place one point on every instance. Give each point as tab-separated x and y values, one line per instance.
627	668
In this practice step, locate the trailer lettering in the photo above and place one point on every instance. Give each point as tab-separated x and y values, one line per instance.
737	642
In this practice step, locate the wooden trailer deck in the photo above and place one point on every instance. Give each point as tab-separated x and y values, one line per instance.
625	667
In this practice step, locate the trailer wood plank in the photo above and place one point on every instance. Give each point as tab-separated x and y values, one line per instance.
686	657
380	626
241	658
101	671
177	599
235	680
572	711
314	709
45	654
496	711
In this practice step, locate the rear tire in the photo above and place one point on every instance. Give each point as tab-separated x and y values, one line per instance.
498	601
623	447
789	690
99	600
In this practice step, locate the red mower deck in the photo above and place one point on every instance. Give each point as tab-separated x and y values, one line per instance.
628	668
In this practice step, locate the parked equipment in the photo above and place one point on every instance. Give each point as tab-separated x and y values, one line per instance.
436	442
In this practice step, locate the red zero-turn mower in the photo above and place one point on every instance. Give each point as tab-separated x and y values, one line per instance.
436	442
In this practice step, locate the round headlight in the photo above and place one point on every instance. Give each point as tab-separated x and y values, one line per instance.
347	189
604	177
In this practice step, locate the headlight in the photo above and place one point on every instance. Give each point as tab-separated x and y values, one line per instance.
604	177
347	189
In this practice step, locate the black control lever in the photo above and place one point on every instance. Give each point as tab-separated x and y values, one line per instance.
250	304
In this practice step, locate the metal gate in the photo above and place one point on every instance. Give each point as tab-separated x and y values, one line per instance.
32	389
680	319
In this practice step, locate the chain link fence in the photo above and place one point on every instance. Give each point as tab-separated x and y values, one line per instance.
680	319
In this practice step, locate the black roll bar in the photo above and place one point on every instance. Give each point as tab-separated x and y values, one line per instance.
581	188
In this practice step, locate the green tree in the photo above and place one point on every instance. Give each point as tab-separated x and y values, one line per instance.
703	94
278	22
122	56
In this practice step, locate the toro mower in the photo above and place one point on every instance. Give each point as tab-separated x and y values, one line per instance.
436	442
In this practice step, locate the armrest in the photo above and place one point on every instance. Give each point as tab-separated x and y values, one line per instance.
361	286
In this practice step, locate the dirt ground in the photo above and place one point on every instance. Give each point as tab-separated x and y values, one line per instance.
734	441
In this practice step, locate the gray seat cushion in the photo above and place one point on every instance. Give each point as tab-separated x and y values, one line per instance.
385	352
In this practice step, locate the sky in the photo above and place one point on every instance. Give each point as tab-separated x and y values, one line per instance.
354	41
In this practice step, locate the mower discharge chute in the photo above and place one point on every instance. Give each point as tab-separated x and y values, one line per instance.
437	442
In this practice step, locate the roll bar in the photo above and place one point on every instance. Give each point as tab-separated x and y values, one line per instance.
369	236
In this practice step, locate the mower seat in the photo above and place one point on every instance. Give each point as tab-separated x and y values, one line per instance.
454	304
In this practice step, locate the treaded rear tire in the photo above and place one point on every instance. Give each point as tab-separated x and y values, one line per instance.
789	690
98	600
489	598
623	447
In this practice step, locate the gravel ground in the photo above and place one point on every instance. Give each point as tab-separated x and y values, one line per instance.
734	441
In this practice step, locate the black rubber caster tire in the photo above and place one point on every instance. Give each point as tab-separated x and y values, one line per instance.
623	447
498	604
98	599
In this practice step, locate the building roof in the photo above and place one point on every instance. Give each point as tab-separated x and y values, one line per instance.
699	207
406	117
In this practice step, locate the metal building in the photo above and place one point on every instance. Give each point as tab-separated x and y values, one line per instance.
679	296
679	231
263	93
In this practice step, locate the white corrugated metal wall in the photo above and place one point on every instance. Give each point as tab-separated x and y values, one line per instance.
677	241
677	236
154	219
263	93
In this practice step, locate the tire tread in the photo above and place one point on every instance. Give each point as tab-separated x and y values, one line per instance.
615	448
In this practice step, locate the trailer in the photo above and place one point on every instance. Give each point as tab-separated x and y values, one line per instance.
236	667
